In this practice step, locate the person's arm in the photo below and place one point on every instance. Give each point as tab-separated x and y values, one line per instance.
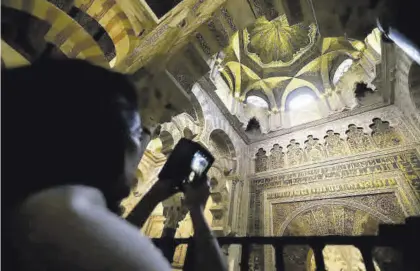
160	191
207	252
70	228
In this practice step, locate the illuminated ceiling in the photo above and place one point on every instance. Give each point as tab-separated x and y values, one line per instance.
276	41
269	49
270	59
128	36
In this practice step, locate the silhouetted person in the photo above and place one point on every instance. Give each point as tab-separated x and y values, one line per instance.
72	140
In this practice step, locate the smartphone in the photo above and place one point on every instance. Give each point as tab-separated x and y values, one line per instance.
188	162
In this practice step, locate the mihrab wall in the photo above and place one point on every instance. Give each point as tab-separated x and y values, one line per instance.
342	177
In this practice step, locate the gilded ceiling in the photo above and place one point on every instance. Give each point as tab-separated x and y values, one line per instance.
268	50
270	59
276	41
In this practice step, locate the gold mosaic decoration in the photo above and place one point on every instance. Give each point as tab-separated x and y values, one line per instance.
257	55
277	41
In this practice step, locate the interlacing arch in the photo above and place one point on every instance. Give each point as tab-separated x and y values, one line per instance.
65	33
218	142
172	132
73	37
184	121
111	17
169	135
12	58
221	146
213	123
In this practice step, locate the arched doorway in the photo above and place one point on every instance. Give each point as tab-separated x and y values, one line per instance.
223	149
334	218
343	258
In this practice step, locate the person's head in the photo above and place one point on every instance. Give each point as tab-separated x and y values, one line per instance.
69	122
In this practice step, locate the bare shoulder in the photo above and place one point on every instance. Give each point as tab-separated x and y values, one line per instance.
63	197
54	212
75	226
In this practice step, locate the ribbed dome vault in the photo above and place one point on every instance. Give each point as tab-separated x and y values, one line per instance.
276	40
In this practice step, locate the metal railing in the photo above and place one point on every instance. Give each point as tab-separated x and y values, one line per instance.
404	238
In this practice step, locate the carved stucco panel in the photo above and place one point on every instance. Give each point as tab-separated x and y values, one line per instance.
386	203
389	113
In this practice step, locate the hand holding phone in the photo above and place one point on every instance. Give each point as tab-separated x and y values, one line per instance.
188	162
196	196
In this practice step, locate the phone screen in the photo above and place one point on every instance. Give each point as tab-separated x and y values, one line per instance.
199	163
187	162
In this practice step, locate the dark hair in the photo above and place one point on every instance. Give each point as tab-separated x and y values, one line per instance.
64	123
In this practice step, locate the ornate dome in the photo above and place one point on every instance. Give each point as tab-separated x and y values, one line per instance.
276	40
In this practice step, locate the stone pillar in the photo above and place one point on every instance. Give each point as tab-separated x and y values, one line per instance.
232	205
235	205
284	116
242	217
237	107
388	71
275	120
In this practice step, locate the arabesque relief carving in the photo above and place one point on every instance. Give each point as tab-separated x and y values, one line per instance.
357	141
405	163
331	205
357	215
261	161
294	153
384	135
328	189
313	149
319	220
408	162
276	157
334	144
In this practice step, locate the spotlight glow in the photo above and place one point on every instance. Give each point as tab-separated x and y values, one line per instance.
299	102
257	102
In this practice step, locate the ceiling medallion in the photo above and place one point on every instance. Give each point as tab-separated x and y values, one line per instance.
277	44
